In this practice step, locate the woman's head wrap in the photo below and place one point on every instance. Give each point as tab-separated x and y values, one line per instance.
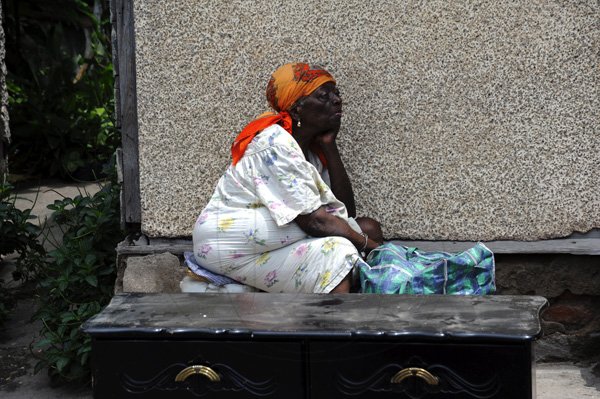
288	83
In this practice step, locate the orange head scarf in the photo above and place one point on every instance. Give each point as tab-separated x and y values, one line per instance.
288	83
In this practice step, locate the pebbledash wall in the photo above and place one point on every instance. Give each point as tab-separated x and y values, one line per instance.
463	121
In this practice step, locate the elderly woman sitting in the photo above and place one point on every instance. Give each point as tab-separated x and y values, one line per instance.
281	217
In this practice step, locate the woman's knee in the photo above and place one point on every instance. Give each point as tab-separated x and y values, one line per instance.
344	286
371	227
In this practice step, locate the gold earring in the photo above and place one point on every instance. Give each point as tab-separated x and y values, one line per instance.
299	124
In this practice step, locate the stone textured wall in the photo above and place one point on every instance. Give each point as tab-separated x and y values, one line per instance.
463	120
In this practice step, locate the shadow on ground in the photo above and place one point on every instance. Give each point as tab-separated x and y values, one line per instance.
17	358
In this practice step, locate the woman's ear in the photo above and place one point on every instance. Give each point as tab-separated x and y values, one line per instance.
295	111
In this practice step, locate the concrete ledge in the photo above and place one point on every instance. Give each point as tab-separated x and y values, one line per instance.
569	282
576	244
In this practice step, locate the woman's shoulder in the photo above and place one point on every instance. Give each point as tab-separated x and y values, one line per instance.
273	136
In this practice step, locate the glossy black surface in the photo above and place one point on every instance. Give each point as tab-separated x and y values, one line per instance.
476	371
266	316
147	369
315	346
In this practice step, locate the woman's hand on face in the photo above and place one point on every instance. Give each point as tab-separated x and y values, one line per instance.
326	139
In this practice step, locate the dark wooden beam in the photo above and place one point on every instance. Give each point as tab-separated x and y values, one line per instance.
123	38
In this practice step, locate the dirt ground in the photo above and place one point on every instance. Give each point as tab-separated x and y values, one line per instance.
18	358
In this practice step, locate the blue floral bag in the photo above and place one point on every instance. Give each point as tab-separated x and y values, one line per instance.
394	269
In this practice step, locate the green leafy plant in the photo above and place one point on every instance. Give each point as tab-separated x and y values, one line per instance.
60	85
18	236
78	280
18	233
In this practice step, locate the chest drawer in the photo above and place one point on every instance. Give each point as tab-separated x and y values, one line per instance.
187	369
420	370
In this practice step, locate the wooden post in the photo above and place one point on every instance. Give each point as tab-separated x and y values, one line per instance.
123	42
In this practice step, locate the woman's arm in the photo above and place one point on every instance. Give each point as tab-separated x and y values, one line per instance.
340	182
322	224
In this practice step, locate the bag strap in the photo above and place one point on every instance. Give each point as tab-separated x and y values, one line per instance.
382	248
410	252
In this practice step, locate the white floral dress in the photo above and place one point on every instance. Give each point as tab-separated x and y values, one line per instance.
247	230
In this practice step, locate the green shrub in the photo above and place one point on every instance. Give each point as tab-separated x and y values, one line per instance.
78	280
60	86
17	236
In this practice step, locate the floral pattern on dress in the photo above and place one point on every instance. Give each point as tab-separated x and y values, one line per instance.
322	187
301	249
225	224
292	143
271	139
202	218
329	245
271	278
252	235
203	251
229	271
270	158
235	255
247	230
261	180
299	275
275	205
325	279
264	258
290	180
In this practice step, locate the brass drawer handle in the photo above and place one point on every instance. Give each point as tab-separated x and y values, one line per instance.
415	372
202	370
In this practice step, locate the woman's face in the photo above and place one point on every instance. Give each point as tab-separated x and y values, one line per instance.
322	109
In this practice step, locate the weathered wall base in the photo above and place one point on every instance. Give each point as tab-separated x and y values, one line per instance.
572	285
548	275
571	323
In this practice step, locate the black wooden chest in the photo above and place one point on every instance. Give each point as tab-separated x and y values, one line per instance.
315	346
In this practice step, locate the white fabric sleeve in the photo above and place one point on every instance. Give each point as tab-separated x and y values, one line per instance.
285	183
323	171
